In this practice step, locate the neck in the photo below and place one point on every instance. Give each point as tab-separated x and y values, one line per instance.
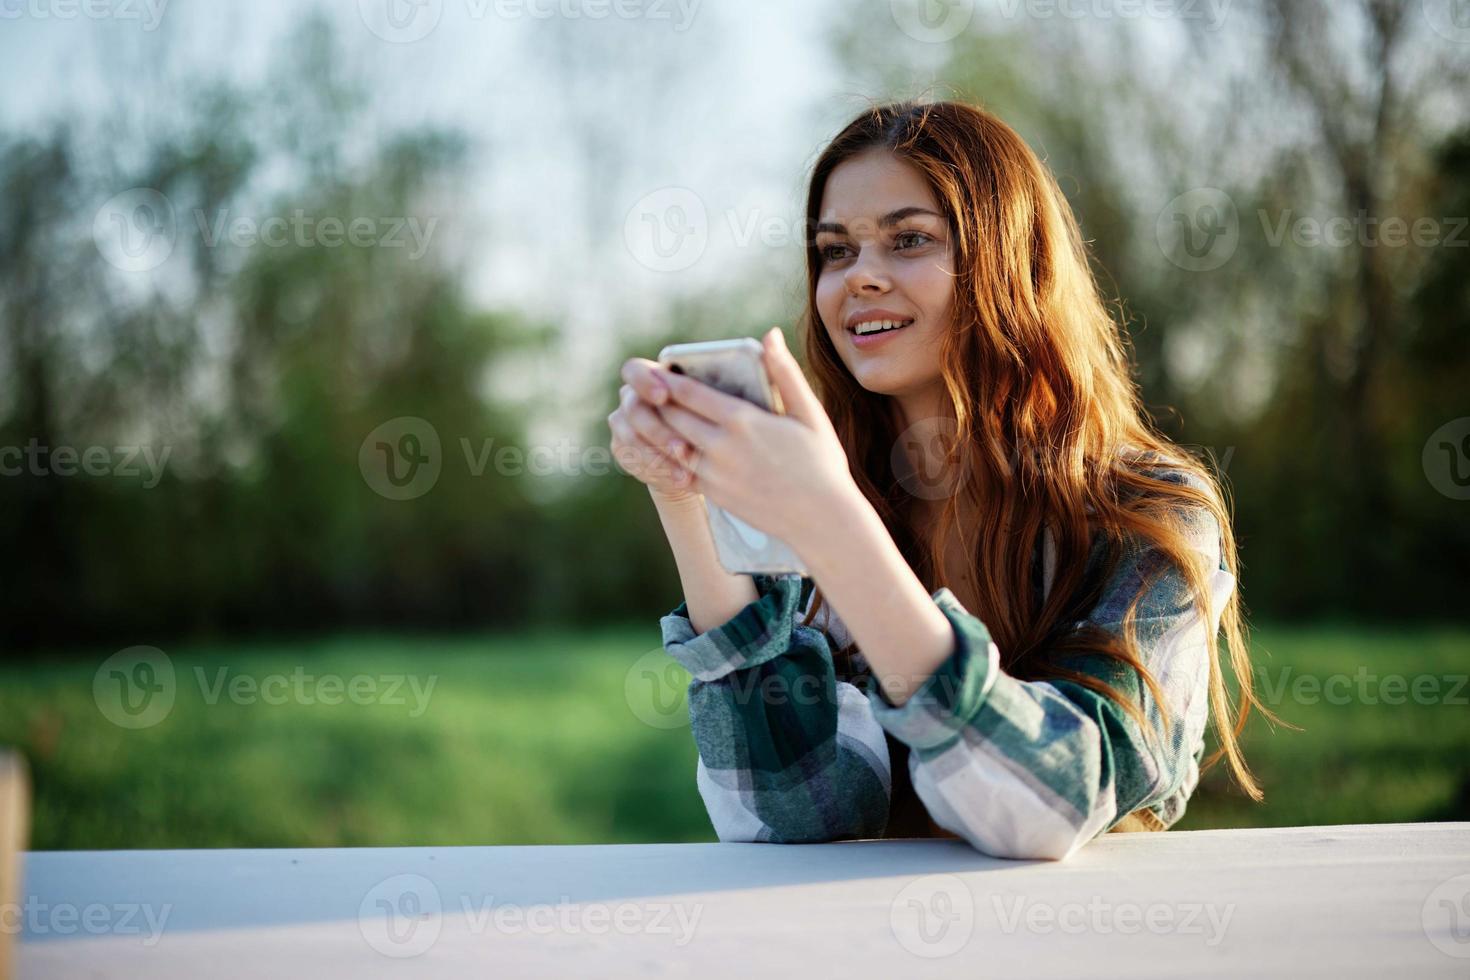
926	434
923	405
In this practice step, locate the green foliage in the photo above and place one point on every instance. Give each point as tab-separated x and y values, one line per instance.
1384	724
525	738
529	739
262	370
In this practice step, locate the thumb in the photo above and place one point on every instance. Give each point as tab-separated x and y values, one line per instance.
800	401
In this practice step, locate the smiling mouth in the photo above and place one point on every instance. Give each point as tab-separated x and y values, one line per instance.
880	326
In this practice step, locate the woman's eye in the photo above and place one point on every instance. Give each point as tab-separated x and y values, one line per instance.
831	253
923	238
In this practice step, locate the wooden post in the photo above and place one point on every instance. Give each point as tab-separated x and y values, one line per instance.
15	815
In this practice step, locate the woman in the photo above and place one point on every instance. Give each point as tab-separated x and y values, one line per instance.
1027	578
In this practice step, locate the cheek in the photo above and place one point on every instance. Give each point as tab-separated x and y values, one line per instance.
829	300
931	286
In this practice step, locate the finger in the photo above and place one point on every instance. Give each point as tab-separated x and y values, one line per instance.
651	427
696	430
628	451
635	455
628	397
706	400
797	396
629	400
683	477
639	373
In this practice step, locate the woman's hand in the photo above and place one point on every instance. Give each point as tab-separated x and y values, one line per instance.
643	444
779	473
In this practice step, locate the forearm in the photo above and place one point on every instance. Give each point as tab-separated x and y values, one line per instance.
787	753
890	615
712	594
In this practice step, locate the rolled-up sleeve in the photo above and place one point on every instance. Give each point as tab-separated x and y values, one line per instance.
787	753
1035	769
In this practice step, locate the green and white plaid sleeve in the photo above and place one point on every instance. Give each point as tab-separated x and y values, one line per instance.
1021	769
1036	769
787	754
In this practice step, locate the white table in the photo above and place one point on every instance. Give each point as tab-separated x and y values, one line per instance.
1371	901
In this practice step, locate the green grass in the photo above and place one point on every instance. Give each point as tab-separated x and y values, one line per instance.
531	739
1361	759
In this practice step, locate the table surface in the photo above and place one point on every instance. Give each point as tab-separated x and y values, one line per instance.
1359	900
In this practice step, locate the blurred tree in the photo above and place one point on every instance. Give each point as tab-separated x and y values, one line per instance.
259	365
1291	362
1314	373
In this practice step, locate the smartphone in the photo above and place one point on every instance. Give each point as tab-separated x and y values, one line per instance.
736	367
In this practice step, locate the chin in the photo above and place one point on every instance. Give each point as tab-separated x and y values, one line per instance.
881	383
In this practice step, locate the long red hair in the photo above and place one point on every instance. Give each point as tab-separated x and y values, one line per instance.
1048	426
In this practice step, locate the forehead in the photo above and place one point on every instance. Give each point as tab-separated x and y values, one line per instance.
870	185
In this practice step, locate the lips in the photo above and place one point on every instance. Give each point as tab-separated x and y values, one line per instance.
871	327
865	341
875	315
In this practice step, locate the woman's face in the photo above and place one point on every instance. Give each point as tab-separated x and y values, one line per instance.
885	249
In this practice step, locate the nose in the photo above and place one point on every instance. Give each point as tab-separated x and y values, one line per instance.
866	274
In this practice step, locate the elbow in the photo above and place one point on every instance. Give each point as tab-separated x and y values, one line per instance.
780	831
1001	814
732	821
741	832
1056	847
1025	846
735	835
772	821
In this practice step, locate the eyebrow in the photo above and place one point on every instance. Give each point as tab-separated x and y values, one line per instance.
887	221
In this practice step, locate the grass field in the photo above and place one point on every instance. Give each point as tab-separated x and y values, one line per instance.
562	739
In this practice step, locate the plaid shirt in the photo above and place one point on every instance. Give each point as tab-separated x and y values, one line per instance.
791	751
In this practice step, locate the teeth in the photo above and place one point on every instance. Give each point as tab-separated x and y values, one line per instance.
878	326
